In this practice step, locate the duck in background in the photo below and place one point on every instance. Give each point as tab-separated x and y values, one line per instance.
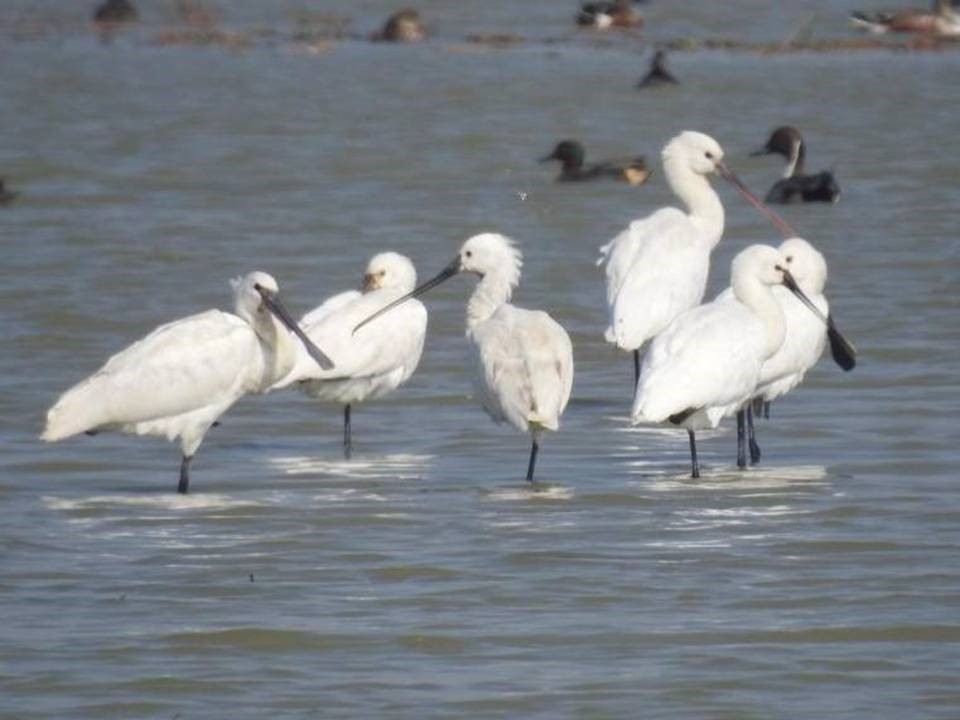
604	15
796	186
573	167
403	26
657	75
6	196
941	20
112	12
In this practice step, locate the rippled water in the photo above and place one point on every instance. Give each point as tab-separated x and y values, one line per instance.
423	579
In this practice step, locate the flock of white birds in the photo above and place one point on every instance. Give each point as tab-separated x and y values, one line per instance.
704	362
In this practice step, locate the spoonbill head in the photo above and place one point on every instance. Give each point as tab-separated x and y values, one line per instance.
374	361
179	379
524	358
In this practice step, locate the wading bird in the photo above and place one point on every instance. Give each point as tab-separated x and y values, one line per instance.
707	362
657	268
179	379
379	357
806	337
524	357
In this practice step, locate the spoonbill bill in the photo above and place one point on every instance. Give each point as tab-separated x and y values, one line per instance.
180	378
378	358
657	268
524	357
805	339
707	362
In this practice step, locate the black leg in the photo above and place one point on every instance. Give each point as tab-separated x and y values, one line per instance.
534	449
347	445
636	369
752	438
184	485
741	441
693	455
766	410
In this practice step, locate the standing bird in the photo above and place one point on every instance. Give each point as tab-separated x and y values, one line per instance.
805	339
796	186
658	75
657	268
179	379
707	363
377	359
573	167
524	357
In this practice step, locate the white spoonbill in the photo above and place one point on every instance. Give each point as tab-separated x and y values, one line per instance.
805	339
377	359
707	362
657	268
179	379
524	357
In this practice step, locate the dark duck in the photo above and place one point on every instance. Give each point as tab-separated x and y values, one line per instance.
657	75
796	185
573	167
115	11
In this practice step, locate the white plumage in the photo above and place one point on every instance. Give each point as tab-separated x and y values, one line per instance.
379	357
707	363
179	379
657	268
524	359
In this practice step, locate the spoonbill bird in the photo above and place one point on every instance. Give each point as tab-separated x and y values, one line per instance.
524	357
707	362
179	379
377	359
805	337
657	268
796	185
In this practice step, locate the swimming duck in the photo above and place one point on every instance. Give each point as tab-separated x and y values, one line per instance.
658	74
403	26
571	155
611	13
6	196
940	20
115	11
795	185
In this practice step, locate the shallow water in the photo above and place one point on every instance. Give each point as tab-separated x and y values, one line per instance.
422	579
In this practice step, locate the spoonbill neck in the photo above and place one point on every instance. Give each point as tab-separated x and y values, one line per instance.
703	204
491	292
760	300
280	347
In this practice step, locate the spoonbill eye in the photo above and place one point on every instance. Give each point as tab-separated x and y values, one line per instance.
469	253
708	155
257	287
789	258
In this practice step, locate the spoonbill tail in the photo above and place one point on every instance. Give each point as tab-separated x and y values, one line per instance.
707	363
375	360
524	357
179	379
657	268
